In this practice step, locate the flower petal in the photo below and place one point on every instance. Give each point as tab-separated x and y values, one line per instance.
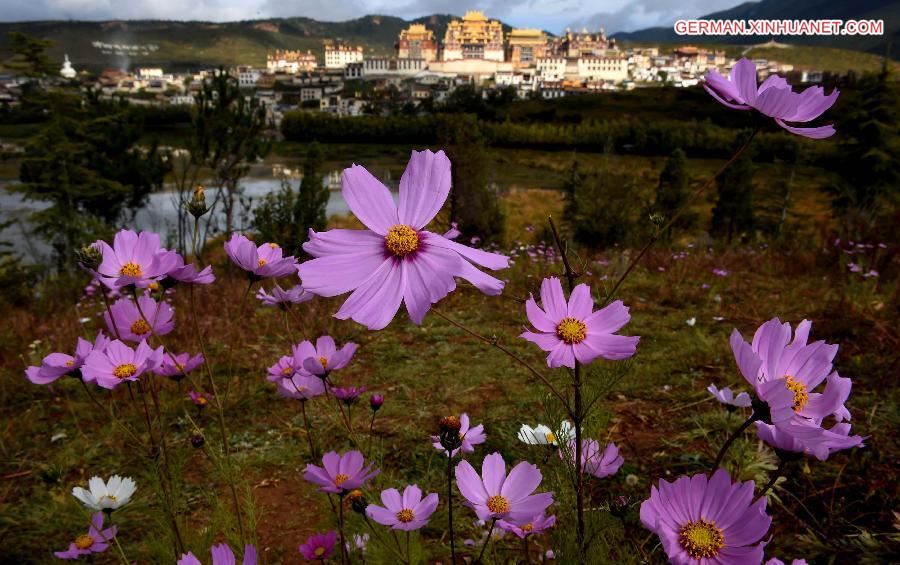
424	187
368	199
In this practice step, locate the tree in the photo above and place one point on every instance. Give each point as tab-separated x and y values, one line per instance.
734	212
29	55
672	193
230	129
286	216
869	149
600	209
312	199
474	202
87	166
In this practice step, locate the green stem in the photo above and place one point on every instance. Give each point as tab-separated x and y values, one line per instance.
486	541
721	455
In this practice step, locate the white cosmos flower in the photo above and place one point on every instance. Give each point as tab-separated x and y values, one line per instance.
543	435
106	496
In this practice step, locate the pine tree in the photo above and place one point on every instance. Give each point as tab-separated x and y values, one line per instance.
312	199
734	212
474	203
672	193
869	156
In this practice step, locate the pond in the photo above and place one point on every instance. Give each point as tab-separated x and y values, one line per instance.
159	214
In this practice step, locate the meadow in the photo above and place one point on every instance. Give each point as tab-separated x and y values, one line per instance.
619	417
659	413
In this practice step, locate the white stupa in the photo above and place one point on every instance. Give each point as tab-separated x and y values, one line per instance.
67	71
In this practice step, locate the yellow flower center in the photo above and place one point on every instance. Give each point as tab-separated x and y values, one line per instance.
551	437
571	330
401	240
341	479
319	551
140	327
70	363
110	497
153	286
801	396
701	539
406	516
273	245
130	269
84	542
287	371
261	262
124	371
498	504
324	362
201	400
528	527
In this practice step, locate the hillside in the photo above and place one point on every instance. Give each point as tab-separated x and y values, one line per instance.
183	45
887	10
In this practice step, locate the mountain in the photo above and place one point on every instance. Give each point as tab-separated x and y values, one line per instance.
192	45
887	10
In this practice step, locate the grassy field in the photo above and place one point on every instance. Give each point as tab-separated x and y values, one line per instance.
659	414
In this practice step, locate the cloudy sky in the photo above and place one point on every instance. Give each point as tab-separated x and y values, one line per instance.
552	15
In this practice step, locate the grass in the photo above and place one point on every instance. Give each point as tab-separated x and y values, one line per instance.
659	413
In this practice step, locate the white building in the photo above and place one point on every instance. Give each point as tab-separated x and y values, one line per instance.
611	69
339	55
551	69
67	71
248	77
389	66
150	72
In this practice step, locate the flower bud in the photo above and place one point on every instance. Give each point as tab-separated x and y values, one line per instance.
357	501
89	256
197	205
376	401
197	441
449	435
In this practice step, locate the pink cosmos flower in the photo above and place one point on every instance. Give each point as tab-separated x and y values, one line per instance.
324	358
533	526
470	436
188	274
221	555
725	396
301	387
496	495
136	259
182	364
784	373
347	395
773	98
396	259
131	326
340	473
319	547
199	399
55	365
95	541
809	437
281	297
407	512
720	272
700	520
118	363
284	368
265	261
594	462
572	330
